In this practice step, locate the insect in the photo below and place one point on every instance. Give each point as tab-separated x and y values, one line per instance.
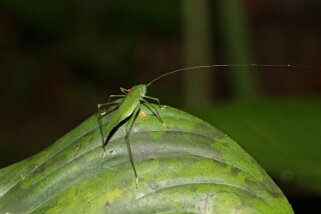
127	107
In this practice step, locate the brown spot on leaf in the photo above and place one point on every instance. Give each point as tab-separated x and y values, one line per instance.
39	168
142	114
272	190
235	171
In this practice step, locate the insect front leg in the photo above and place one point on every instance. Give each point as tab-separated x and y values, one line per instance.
124	90
154	99
129	126
153	110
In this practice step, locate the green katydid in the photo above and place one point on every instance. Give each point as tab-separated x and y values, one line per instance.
129	106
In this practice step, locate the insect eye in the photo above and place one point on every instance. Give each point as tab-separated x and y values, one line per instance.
129	90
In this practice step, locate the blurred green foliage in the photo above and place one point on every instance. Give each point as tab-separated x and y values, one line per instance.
282	135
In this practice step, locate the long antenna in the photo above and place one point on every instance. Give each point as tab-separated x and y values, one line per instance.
211	66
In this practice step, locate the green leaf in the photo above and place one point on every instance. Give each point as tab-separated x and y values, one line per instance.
187	167
287	130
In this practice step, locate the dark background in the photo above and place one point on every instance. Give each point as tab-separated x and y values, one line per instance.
58	59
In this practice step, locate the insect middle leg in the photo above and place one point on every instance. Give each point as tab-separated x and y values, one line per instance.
103	109
109	103
115	96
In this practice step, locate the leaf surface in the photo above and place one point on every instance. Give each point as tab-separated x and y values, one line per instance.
185	166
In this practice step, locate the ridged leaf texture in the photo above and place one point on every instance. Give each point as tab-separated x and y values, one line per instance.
185	166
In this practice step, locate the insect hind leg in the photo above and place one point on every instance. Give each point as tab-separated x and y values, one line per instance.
129	127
